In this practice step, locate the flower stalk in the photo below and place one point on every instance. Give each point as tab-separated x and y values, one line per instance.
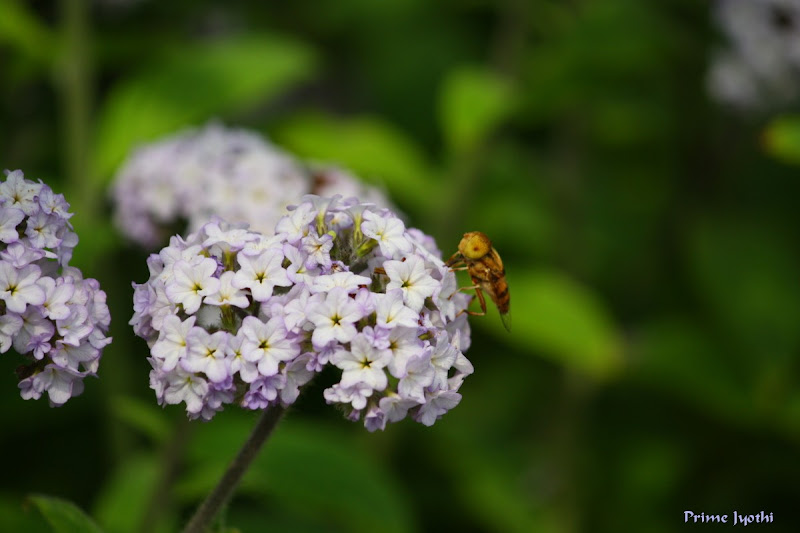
209	509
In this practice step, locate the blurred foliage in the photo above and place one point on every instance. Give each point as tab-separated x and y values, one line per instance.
649	237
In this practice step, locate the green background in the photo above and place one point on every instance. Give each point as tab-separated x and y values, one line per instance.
649	235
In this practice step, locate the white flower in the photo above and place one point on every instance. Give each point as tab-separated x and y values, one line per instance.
388	231
334	318
10	324
298	271
18	287
226	293
191	282
403	344
436	404
362	364
266	344
318	250
261	273
295	225
356	395
20	193
345	280
76	326
247	370
442	359
411	277
41	231
57	294
297	374
419	375
391	312
172	344
396	407
186	387
9	220
206	354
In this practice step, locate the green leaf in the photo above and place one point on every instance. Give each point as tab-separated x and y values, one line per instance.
370	147
143	416
556	316
64	516
192	84
494	496
782	139
308	469
15	516
473	102
124	499
20	28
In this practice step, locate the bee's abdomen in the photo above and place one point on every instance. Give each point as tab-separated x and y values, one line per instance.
502	299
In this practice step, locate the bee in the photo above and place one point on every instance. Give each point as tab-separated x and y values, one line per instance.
483	264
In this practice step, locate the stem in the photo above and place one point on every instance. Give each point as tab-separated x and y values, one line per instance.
230	480
75	83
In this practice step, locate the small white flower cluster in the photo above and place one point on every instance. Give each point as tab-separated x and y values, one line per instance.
191	176
233	316
48	312
761	66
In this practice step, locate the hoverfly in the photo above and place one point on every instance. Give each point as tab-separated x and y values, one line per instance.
483	264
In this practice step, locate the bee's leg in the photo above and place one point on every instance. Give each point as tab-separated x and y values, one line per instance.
454	269
481	300
455	259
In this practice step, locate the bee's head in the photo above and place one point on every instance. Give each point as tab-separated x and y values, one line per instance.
474	245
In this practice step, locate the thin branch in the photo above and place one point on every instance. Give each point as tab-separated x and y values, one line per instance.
230	480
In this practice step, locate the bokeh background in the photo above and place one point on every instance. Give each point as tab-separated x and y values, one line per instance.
649	233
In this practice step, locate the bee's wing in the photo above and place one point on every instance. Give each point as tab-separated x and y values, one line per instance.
506	318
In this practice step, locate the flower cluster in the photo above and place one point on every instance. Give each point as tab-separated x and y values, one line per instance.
234	316
762	63
48	312
233	174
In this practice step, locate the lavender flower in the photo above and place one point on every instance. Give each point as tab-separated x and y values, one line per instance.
234	316
234	174
48	312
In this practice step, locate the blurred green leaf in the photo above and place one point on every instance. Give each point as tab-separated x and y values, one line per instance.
192	84
125	497
21	29
368	146
747	274
64	516
472	103
782	138
676	355
493	494
562	320
145	417
14	517
310	469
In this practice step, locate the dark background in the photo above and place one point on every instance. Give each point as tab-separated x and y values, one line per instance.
649	234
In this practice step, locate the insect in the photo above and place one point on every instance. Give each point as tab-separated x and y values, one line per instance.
483	264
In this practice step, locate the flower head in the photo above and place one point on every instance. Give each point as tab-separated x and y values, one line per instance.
339	284
49	314
760	67
188	177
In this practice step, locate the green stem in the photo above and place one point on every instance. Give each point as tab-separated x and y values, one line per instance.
230	480
74	78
